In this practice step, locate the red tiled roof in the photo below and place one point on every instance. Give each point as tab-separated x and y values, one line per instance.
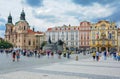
84	22
38	32
49	29
30	31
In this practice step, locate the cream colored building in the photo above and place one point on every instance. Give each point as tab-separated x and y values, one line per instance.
20	34
104	36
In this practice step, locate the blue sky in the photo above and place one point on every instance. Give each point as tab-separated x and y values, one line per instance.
42	14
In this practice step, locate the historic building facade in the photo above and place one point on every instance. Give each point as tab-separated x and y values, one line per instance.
118	39
68	34
20	34
104	36
100	36
84	35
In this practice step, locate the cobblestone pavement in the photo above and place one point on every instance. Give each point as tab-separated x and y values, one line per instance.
33	75
84	68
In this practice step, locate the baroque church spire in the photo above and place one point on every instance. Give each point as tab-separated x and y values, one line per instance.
22	15
10	18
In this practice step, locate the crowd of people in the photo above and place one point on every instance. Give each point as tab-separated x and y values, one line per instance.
35	53
38	53
98	55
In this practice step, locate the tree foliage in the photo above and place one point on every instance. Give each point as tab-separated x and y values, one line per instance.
5	45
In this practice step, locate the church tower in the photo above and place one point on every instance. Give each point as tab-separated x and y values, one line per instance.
10	19
9	28
22	15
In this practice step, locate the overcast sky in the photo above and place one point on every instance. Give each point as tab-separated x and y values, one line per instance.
42	14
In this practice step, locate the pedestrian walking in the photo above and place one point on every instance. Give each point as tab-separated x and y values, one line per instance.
52	54
68	54
39	52
105	55
59	54
13	56
93	55
48	53
118	56
114	56
17	55
97	56
35	53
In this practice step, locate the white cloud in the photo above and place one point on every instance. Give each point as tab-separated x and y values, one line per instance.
66	12
118	24
58	9
2	33
98	11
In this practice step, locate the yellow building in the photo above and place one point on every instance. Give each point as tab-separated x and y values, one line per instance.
119	39
104	36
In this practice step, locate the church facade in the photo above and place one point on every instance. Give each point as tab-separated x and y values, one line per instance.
20	34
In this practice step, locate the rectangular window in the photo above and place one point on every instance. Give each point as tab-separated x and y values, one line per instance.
24	41
66	35
88	43
29	42
88	37
113	42
66	43
76	43
72	44
93	42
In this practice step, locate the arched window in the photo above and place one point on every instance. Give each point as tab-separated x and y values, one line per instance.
29	42
24	27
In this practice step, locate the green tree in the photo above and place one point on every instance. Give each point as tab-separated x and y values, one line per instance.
5	45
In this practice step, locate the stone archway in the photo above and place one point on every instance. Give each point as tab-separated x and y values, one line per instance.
103	48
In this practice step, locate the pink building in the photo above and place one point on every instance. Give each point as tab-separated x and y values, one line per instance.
84	35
